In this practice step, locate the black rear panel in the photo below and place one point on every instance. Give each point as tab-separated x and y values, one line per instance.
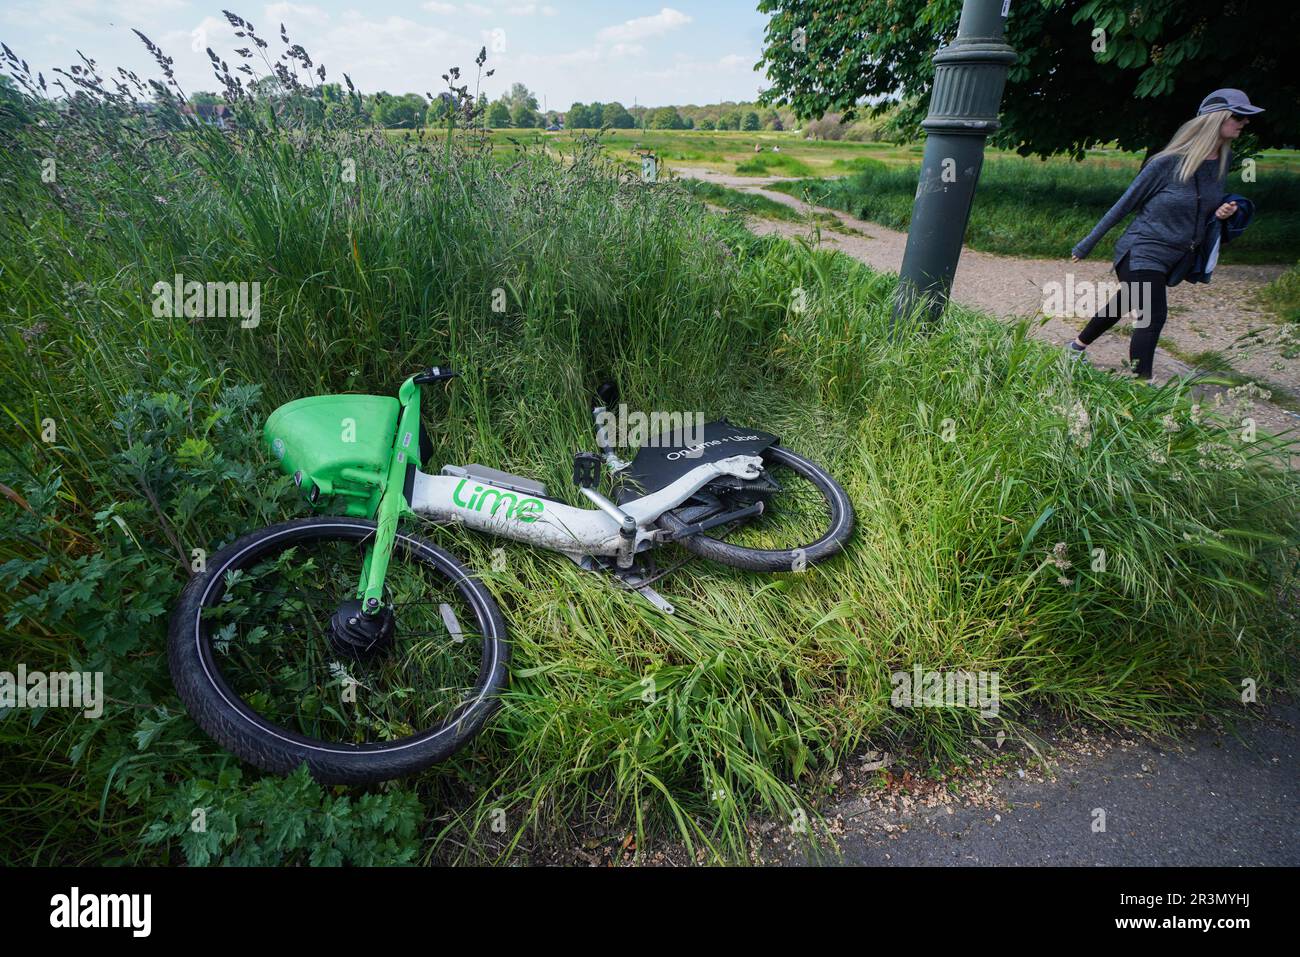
664	462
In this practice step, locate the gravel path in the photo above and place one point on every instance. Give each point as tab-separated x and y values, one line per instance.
1222	316
1214	798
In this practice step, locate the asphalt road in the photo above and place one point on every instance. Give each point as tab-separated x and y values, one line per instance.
1214	798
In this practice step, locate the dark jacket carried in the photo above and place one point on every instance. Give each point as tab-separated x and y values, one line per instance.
1198	265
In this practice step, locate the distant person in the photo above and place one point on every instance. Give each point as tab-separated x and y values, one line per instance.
1170	237
757	148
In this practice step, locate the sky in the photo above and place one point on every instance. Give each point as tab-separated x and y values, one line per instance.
645	53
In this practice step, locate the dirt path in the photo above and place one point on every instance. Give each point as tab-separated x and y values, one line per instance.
1221	316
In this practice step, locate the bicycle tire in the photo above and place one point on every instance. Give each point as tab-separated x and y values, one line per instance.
229	721
829	544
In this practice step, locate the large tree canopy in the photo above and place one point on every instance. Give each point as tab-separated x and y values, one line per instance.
1088	71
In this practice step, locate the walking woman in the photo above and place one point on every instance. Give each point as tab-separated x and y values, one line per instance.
1173	196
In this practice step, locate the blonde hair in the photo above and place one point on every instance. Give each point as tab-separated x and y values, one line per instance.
1195	141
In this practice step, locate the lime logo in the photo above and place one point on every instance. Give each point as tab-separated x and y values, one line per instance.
278	448
523	509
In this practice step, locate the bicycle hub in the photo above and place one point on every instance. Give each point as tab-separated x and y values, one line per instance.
361	636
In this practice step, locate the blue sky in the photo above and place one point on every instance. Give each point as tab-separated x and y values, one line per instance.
650	53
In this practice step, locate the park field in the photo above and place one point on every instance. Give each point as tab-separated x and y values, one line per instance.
731	152
1024	206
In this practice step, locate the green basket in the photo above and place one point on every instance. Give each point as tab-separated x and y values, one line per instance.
337	449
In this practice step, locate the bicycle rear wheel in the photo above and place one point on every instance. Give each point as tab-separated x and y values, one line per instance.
256	653
806	517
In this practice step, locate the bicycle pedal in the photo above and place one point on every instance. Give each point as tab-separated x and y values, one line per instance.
586	469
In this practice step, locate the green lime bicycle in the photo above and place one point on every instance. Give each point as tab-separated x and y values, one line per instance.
347	642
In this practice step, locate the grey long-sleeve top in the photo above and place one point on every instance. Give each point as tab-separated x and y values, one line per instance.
1169	215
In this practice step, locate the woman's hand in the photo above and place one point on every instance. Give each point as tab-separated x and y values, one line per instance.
1225	211
1074	258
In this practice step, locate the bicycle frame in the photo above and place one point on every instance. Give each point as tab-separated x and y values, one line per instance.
609	530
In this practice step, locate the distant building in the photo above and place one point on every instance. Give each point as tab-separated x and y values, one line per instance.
214	114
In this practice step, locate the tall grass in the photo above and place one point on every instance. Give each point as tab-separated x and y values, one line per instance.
983	495
1029	208
1282	295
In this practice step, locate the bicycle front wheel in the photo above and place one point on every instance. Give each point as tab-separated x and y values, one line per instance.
262	653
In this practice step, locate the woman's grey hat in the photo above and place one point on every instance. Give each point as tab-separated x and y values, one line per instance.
1228	99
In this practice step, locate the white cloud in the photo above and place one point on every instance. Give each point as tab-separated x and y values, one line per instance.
92	16
434	7
296	13
685	68
385	52
593	54
531	9
642	28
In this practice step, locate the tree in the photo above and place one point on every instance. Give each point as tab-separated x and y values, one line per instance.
707	124
267	88
439	108
595	115
398	112
729	120
203	98
616	115
577	118
665	118
523	118
772	121
750	121
828	127
498	116
520	96
401	112
1086	73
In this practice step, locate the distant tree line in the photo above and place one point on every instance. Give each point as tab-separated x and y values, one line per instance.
518	109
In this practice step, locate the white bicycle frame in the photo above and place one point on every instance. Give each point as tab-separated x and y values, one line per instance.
609	530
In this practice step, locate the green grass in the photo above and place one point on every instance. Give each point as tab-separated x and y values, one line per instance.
956	448
1282	295
773	164
734	199
1031	208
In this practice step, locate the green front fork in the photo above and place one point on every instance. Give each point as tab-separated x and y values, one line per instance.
392	503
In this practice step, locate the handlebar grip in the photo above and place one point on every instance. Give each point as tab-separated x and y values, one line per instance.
435	374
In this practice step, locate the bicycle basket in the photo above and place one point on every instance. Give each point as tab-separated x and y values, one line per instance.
337	448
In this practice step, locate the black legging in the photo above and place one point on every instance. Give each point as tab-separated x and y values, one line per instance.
1151	301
